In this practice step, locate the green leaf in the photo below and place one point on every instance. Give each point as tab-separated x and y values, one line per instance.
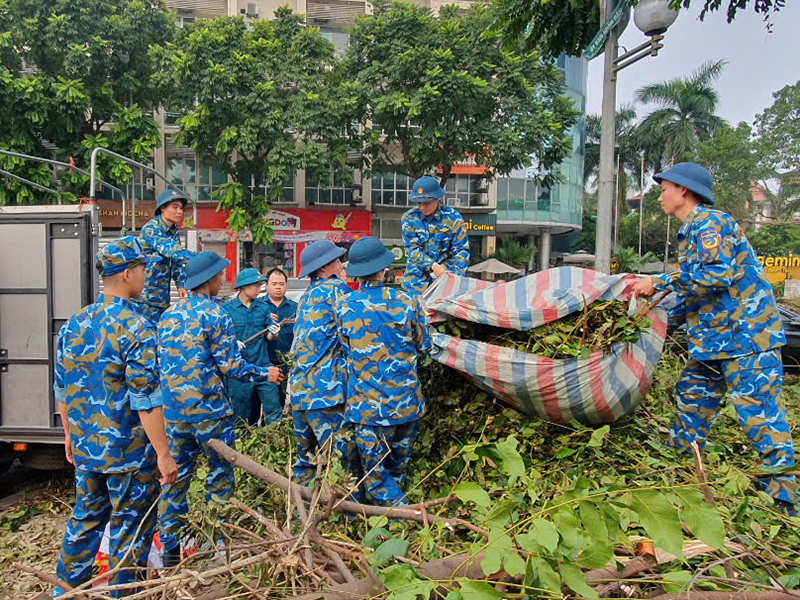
545	533
598	435
397	576
468	491
675	582
593	522
597	554
569	528
701	518
659	519
477	590
389	549
513	563
506	455
548	578
574	579
453	595
372	539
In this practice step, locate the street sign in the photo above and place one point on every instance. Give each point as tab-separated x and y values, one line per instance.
594	47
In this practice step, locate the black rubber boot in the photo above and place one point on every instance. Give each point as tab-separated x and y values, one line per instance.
171	557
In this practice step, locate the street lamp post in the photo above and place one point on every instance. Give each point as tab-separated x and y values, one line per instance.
652	17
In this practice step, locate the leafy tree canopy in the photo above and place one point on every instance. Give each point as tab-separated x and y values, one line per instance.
75	75
434	90
557	27
260	102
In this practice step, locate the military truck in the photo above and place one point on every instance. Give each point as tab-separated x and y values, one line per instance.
46	275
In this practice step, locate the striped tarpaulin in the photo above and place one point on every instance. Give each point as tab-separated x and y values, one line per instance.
594	390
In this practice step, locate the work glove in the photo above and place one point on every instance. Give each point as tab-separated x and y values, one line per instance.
241	345
274	329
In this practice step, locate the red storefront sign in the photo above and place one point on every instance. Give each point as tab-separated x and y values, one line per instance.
337	224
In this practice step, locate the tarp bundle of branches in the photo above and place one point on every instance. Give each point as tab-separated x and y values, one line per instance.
599	388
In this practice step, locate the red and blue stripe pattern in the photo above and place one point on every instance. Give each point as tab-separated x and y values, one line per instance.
599	389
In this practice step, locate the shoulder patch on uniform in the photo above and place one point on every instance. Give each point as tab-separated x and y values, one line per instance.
709	239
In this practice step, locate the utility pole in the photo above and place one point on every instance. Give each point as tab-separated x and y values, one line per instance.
605	189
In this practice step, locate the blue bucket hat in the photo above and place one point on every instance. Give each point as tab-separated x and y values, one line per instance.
426	189
693	177
318	254
368	256
202	267
120	254
168	196
247	277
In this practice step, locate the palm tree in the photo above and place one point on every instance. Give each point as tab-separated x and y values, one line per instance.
686	115
626	140
514	253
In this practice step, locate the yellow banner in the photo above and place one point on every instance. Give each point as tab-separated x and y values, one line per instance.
780	268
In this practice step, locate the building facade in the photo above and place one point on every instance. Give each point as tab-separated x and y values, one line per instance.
514	206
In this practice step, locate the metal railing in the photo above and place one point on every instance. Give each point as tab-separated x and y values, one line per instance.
31	183
144	167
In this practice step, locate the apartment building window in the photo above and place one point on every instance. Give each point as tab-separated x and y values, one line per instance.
138	186
338	193
184	21
258	189
519	193
464	190
391	189
198	181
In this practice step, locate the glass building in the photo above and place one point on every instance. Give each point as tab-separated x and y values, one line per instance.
525	208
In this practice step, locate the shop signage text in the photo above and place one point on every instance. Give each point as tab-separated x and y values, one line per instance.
283	221
480	224
780	268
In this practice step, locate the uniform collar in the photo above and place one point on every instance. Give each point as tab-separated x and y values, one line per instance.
108	299
200	296
435	216
370	284
163	226
686	225
238	302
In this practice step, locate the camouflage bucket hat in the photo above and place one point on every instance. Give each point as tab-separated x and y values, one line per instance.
120	254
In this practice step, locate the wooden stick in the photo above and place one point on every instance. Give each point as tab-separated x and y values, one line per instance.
46	577
248	464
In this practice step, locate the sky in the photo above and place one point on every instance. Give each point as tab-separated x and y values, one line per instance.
759	63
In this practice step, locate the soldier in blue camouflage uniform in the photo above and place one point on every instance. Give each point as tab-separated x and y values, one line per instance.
284	312
252	315
733	328
434	236
317	378
166	258
107	389
196	351
383	330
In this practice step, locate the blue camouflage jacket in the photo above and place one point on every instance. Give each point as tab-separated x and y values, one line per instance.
196	350
283	343
382	330
441	238
728	304
166	259
247	322
105	371
318	374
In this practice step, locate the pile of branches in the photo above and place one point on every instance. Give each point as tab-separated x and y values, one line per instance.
598	326
503	506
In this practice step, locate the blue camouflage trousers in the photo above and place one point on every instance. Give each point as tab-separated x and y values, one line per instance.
384	452
755	382
249	399
122	500
186	442
312	430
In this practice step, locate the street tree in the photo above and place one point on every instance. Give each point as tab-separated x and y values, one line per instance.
686	115
778	129
733	159
260	100
556	27
76	75
435	90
